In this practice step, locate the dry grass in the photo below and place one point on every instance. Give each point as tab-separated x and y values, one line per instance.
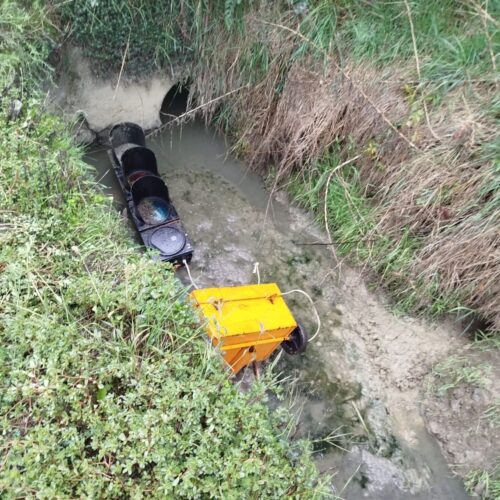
422	168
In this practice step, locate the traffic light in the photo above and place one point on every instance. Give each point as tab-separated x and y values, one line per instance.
146	194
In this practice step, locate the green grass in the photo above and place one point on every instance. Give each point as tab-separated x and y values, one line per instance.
107	386
352	221
26	39
492	414
485	483
466	370
484	342
456	371
451	38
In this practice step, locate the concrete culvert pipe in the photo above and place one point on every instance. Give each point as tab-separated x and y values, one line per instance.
175	102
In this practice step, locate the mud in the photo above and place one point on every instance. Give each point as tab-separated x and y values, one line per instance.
357	389
463	419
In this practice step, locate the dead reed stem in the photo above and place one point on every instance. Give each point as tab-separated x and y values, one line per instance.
122	66
417	64
325	199
354	84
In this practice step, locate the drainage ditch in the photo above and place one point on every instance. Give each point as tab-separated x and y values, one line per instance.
355	391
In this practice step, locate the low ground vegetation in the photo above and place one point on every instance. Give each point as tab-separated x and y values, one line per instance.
465	384
484	483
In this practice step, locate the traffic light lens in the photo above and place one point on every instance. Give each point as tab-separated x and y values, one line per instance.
136	176
153	210
169	240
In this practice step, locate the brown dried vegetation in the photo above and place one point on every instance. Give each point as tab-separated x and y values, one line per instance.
426	176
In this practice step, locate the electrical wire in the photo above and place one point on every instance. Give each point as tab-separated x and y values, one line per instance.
189	274
256	271
318	320
295	290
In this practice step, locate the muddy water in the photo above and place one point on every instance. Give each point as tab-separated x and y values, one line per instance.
355	391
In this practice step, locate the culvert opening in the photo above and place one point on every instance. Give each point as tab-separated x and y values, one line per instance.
175	102
477	327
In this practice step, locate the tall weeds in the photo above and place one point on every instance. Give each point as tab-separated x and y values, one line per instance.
419	105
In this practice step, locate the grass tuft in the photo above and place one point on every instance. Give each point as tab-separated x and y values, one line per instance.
456	371
485	483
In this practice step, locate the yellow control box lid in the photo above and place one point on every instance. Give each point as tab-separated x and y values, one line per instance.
244	310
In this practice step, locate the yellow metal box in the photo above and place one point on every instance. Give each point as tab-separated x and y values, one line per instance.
246	322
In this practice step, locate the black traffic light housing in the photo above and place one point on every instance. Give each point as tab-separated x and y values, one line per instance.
146	194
